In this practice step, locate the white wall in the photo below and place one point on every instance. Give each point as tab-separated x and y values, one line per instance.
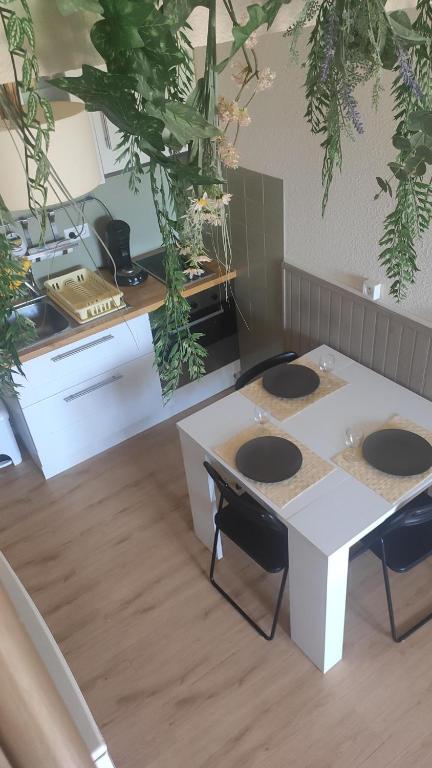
343	247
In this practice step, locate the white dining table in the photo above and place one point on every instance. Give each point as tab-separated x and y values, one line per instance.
323	521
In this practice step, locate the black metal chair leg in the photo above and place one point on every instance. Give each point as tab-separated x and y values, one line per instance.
396	637
279	603
235	605
394	634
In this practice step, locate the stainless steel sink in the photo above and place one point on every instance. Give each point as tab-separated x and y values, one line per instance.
47	319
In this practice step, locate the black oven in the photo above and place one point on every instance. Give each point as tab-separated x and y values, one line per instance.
213	315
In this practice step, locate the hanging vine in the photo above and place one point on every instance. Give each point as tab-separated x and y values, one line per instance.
351	44
23	113
148	91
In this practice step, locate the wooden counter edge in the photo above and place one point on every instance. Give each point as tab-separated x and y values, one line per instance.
109	321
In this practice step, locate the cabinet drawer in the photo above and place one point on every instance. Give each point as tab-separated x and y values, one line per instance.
89	412
76	362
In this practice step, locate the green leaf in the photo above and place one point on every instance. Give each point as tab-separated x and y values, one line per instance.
31	107
258	15
114	95
186	123
28	31
107	36
398	171
27	73
420	169
401	143
402	29
177	12
424	153
421	120
14	32
48	113
381	183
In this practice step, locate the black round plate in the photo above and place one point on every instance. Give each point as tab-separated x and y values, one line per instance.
398	452
289	380
269	459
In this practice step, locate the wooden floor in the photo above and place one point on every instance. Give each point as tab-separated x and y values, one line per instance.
174	677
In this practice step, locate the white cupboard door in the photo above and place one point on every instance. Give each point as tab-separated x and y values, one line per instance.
82	420
107	138
57	370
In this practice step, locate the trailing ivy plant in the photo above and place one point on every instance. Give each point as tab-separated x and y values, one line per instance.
15	330
351	43
149	92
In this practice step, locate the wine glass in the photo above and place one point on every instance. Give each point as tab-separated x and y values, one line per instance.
353	437
327	362
260	415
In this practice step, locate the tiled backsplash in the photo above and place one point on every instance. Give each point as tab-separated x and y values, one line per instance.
258	248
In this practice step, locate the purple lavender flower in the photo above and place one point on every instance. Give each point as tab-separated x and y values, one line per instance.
329	42
407	73
350	107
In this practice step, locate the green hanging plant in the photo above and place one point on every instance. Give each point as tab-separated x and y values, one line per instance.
149	92
25	118
351	44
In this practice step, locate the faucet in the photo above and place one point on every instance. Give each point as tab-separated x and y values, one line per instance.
31	284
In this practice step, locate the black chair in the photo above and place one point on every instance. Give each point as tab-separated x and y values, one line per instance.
257	532
401	542
264	365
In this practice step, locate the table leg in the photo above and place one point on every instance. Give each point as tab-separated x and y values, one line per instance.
202	491
317	585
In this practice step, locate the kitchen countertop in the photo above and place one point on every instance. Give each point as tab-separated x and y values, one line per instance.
140	299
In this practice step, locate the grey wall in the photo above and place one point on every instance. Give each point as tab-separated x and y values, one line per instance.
318	312
258	248
137	210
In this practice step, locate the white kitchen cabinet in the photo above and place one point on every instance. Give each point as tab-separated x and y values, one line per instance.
82	359
88	418
107	138
88	396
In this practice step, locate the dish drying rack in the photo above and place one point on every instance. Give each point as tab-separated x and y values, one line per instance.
84	294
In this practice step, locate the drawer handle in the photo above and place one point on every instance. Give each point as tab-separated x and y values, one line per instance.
93	388
106	131
82	348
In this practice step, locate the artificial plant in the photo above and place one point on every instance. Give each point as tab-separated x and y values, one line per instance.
149	92
352	43
34	136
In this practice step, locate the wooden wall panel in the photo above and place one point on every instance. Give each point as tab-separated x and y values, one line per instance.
317	312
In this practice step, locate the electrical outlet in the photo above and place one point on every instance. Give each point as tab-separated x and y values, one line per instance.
372	290
80	232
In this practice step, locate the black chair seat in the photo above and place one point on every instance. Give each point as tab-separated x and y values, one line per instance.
258	533
405	548
267	545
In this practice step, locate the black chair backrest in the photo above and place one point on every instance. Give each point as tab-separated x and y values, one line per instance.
418	511
251	513
264	365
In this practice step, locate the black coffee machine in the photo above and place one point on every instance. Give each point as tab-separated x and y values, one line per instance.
118	236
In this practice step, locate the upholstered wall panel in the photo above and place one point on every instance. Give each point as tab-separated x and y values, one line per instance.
317	312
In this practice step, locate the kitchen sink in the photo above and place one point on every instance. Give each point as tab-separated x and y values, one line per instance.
47	319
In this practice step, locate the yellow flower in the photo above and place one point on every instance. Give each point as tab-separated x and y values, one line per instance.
201	202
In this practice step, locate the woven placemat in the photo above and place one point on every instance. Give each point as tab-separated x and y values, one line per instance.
313	468
390	487
281	407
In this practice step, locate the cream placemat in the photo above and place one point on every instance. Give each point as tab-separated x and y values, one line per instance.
280	407
313	468
390	487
